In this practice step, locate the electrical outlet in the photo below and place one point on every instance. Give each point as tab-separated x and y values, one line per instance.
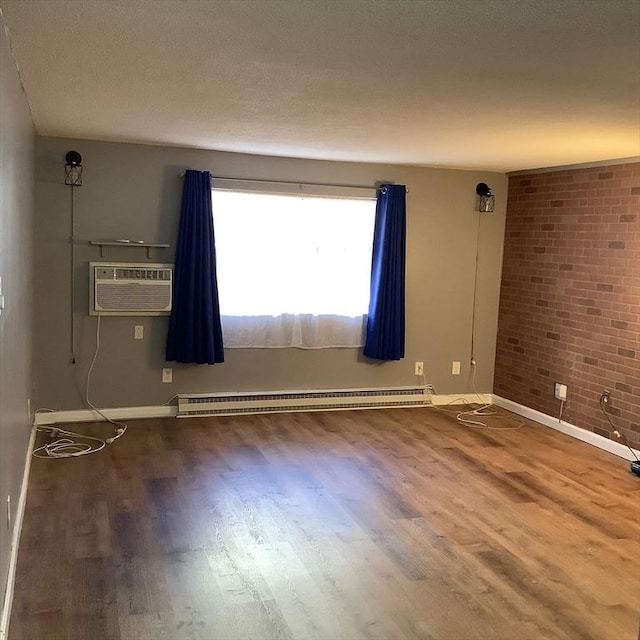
167	375
455	368
419	370
138	332
561	391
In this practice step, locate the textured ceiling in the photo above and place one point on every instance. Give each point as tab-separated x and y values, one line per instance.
492	84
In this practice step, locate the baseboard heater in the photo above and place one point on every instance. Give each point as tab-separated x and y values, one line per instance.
226	404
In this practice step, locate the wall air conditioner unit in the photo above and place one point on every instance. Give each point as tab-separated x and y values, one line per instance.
130	289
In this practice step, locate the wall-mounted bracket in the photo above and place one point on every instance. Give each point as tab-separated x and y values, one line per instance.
127	243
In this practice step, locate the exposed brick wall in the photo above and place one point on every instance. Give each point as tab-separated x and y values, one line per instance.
570	295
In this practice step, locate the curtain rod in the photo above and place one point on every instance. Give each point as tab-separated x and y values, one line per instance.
289	182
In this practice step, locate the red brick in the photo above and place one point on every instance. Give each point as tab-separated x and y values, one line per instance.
584	331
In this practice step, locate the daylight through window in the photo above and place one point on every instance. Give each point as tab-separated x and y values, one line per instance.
292	271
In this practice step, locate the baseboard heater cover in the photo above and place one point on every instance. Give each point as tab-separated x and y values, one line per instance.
226	404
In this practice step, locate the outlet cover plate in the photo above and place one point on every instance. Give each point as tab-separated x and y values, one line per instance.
561	391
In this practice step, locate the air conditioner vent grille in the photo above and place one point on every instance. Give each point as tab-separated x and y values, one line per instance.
131	296
130	289
143	274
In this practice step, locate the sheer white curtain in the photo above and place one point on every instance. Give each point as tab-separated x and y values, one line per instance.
292	271
305	331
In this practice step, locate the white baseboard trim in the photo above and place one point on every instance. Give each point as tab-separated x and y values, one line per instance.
596	440
461	398
15	541
165	411
44	418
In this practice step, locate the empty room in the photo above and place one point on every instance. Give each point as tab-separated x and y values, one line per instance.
320	320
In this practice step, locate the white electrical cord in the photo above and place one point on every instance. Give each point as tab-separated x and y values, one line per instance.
561	410
70	447
89	372
122	427
475	294
424	385
170	400
484	410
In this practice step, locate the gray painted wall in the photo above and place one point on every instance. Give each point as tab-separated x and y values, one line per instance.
134	191
17	144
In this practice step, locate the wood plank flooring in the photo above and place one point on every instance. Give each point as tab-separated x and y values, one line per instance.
385	524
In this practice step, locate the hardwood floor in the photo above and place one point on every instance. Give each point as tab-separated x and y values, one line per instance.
382	524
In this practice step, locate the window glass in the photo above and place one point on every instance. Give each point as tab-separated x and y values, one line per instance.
286	254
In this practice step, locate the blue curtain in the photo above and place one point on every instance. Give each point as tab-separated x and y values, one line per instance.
195	332
385	323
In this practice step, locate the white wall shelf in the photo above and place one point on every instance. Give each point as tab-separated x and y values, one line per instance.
127	243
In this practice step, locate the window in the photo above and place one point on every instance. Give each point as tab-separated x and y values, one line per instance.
292	270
